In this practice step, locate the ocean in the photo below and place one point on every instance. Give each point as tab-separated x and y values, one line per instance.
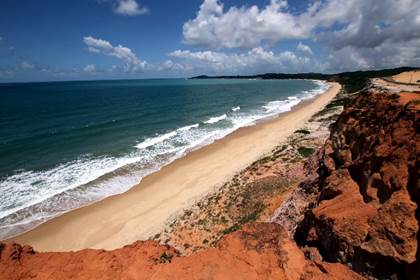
64	145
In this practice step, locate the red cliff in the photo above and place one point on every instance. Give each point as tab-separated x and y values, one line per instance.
258	251
365	208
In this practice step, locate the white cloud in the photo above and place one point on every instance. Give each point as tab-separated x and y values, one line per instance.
90	68
26	65
361	31
132	62
386	55
358	22
304	49
241	27
367	24
171	66
130	8
257	60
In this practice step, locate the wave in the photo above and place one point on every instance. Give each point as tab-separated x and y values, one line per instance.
155	140
216	119
308	94
188	127
45	184
281	106
32	197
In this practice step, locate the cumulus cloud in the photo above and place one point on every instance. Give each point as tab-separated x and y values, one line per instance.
132	62
359	31
130	8
359	22
367	24
386	55
241	27
304	49
171	66
256	60
90	68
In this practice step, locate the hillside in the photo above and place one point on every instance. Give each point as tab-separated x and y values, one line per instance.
352	81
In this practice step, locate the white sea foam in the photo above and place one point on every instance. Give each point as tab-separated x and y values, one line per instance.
216	119
32	197
322	87
47	183
281	106
188	127
155	140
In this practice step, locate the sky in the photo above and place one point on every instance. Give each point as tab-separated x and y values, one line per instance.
52	40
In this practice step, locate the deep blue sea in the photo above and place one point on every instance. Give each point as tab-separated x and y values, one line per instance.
67	144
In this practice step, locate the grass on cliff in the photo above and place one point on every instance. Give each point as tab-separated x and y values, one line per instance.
305	151
248	218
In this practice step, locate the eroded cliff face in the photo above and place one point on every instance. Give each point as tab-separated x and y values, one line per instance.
258	251
364	205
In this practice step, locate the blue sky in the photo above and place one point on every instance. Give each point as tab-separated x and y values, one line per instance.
117	39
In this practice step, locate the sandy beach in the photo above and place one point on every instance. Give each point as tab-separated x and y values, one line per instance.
409	77
147	207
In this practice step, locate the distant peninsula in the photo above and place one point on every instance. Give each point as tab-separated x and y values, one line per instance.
352	81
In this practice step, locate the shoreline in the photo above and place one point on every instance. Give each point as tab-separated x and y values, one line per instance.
145	209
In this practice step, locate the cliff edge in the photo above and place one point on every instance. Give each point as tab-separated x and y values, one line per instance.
364	205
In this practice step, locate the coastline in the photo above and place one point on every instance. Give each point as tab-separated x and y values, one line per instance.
144	210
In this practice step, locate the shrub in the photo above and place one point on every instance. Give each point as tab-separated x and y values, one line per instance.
231	229
303	131
165	258
305	151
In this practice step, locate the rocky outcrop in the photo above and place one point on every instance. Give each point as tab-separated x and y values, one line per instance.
258	251
365	204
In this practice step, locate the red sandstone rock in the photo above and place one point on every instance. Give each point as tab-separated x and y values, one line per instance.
259	251
365	211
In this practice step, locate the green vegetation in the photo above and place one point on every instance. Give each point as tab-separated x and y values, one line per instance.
231	229
342	99
303	131
305	151
355	81
337	102
248	218
165	258
351	81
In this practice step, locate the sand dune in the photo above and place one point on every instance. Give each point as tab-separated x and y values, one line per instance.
410	77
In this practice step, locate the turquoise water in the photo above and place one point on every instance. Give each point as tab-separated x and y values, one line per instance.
67	144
